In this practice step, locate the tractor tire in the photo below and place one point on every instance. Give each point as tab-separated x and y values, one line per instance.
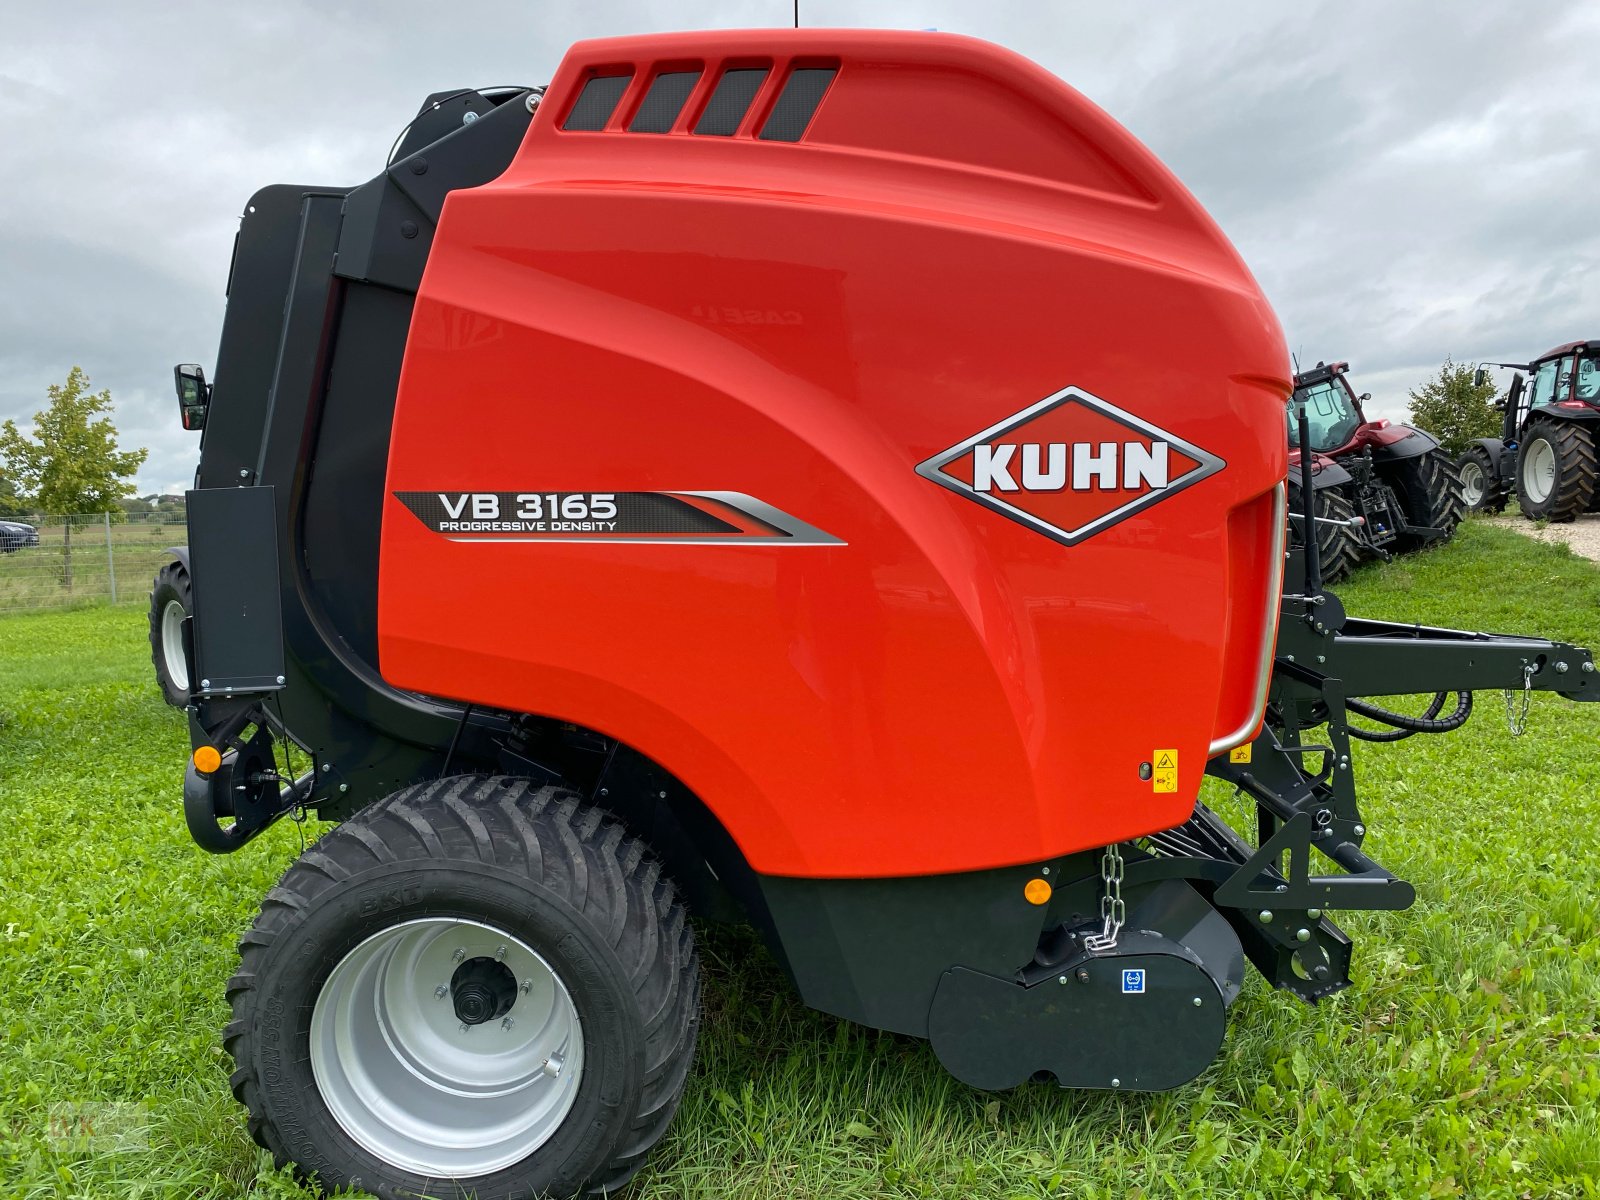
1430	491
171	600
1480	489
1556	468
1339	545
474	987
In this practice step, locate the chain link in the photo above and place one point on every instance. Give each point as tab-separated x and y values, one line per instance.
1112	910
1518	722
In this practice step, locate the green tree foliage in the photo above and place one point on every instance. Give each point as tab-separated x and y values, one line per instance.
10	503
1454	409
71	463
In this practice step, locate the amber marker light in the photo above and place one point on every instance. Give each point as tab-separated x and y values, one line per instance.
1037	891
207	760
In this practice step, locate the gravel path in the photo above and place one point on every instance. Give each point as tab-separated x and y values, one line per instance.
1583	535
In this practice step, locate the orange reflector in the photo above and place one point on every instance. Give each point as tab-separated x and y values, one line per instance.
1037	891
207	760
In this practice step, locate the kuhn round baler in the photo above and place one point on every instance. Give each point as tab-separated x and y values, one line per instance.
831	480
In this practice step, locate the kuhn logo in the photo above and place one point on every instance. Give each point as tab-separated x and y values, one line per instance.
1070	466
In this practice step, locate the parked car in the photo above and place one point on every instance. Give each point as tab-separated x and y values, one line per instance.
15	535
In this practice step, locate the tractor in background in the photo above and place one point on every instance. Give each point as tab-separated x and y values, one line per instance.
1545	455
1379	487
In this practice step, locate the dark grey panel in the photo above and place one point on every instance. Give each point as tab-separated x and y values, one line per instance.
730	100
796	103
664	101
597	102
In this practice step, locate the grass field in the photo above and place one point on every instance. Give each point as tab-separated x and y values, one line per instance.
1465	1062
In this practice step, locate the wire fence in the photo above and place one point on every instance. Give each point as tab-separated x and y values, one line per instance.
91	558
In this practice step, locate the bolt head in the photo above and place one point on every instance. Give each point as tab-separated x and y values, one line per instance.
281	679
1116	1083
500	954
1198	1002
1302	935
527	986
1062	980
1266	916
1588	668
1314	913
327	766
458	955
205	683
467	118
244	473
1360	830
532	102
1561	668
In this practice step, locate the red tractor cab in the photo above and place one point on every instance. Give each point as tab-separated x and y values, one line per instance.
1546	453
1380	487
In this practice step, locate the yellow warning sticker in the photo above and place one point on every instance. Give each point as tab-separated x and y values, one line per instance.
1240	753
1164	777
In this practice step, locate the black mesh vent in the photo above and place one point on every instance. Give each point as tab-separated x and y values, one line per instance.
597	102
664	101
730	101
798	101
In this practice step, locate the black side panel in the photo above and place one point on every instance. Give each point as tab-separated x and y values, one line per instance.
874	950
344	494
238	623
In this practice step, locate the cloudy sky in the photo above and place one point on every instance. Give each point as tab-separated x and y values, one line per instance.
1407	180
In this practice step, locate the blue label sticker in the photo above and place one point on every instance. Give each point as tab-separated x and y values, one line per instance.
1132	981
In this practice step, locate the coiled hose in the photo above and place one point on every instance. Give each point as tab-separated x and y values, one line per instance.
1404	726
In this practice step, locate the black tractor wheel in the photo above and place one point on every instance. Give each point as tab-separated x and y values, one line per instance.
1481	490
1430	491
1556	468
1338	540
475	987
170	602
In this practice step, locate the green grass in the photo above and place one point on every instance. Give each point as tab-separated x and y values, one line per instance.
1465	1062
38	576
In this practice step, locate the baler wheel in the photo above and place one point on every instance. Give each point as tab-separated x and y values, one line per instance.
474	987
1556	469
1430	489
171	600
1339	541
1481	490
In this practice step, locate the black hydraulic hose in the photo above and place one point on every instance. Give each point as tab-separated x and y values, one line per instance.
1405	726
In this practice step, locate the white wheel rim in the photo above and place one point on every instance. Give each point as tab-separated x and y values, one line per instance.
1539	471
1472	483
408	1084
172	644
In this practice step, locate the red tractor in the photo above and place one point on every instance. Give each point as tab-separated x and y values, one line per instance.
1546	453
1379	487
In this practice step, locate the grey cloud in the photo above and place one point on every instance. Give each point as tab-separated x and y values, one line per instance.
1406	180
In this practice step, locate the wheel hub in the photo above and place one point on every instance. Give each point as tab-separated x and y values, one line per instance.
482	990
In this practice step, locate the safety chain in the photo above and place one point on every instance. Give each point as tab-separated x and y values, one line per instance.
1519	721
1112	910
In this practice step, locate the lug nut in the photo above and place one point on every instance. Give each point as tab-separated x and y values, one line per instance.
499	954
465	1028
527	986
440	992
458	955
507	1023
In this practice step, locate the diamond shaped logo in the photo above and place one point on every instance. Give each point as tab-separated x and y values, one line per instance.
1070	466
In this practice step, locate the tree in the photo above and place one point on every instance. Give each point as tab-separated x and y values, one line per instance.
1454	409
70	464
10	503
